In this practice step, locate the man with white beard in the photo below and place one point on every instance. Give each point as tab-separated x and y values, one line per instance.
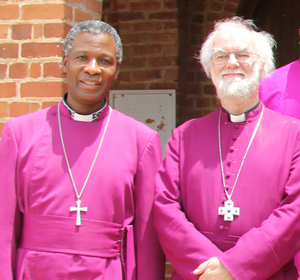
227	200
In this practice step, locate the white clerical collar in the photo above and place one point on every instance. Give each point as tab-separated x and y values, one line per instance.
241	117
83	118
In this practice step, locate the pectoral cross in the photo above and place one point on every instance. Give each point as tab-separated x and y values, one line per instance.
229	211
78	209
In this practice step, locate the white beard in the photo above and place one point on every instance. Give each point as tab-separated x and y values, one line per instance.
237	87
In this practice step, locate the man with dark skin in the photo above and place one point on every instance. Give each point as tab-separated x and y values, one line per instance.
77	179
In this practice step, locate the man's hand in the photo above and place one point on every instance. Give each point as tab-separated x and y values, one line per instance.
212	270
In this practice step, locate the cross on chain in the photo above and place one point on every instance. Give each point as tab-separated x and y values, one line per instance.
78	209
229	211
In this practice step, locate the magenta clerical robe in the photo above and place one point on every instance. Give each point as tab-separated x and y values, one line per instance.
39	238
261	242
281	91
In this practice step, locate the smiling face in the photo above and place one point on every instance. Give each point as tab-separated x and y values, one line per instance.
91	67
234	78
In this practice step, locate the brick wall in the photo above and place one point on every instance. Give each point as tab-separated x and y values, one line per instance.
31	36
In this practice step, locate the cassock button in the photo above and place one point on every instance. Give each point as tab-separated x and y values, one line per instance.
231	149
222	228
228	174
236	126
234	137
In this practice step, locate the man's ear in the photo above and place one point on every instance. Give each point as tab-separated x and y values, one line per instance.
117	71
64	64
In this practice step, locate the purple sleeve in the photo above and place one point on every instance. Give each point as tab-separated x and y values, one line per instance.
150	258
9	213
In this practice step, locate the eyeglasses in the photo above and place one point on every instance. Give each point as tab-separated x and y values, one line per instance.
220	58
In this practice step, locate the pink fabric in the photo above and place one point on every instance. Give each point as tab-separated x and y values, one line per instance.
265	237
120	191
280	92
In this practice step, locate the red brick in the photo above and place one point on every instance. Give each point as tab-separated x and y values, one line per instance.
163	61
8	90
147	50
144	75
94	5
171	74
163	85
1	127
9	50
34	107
54	30
125	77
3	31
18	109
41	49
68	13
124	16
203	102
3	68
74	1
35	70
112	18
3	110
42	89
133	63
147	26
170	5
134	38
37	30
171	49
21	31
42	11
18	70
164	16
81	15
145	6
194	89
171	25
53	69
48	104
9	12
209	89
163	37
124	27
131	86
169	268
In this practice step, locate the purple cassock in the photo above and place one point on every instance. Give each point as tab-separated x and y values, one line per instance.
281	91
39	236
261	241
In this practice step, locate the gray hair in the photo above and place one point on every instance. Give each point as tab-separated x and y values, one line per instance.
264	43
93	27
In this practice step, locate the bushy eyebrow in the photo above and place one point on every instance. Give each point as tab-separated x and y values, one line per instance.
222	50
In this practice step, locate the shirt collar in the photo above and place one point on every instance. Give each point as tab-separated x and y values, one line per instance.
83	118
241	117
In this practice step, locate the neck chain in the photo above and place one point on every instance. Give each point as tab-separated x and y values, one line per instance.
78	208
229	211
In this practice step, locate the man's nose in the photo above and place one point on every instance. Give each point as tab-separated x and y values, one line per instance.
232	61
92	67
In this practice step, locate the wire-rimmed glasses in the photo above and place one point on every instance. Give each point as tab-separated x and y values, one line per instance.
221	57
